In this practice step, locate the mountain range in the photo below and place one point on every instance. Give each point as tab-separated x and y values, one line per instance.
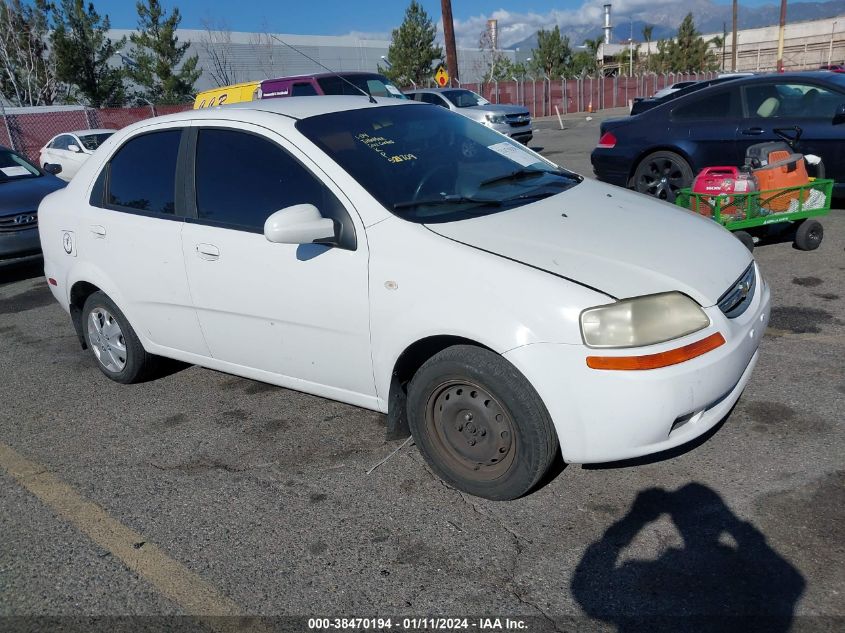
709	18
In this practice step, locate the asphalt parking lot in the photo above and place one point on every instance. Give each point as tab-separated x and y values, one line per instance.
203	494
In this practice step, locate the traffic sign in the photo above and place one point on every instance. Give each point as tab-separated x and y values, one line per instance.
441	77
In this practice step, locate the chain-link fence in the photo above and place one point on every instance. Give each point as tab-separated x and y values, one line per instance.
27	130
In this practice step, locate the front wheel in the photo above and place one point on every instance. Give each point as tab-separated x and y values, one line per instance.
662	175
480	424
111	339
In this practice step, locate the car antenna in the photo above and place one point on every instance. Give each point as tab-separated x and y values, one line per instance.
342	78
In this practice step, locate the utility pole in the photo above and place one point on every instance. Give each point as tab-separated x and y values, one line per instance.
449	36
780	34
724	42
733	41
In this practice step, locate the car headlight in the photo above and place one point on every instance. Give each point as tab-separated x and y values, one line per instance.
642	321
496	118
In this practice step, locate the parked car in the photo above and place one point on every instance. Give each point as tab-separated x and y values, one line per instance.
236	93
342	83
405	259
837	68
659	151
510	120
70	149
673	88
22	186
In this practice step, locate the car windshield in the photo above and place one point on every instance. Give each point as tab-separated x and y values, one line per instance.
14	167
93	141
430	165
464	98
375	85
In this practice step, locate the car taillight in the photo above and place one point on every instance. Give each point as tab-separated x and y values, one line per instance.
607	140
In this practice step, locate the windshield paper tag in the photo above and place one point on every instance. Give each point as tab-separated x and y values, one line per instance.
514	153
393	90
16	170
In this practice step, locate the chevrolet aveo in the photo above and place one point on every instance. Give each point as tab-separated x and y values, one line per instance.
402	258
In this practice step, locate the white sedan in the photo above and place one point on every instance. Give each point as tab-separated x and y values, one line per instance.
69	150
405	259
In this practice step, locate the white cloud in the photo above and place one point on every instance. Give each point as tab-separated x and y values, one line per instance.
515	26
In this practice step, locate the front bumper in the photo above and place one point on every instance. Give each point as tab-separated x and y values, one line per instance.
603	416
19	245
523	133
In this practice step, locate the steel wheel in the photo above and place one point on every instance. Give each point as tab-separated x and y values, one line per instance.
471	431
662	175
107	340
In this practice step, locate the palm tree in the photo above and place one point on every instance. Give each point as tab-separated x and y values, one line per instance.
648	29
593	47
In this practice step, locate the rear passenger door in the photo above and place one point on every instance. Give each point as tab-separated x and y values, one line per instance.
706	124
131	231
300	312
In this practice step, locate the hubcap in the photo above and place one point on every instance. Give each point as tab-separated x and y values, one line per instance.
473	434
106	340
661	178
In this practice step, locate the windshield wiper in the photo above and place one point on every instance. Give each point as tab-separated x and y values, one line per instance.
521	173
452	199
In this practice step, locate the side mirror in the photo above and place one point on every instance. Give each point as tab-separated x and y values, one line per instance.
299	224
839	115
53	168
73	147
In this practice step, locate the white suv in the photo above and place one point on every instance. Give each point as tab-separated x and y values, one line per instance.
498	307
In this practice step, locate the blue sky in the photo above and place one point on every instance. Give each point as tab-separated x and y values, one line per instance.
377	18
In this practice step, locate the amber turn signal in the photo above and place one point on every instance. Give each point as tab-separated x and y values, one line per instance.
655	361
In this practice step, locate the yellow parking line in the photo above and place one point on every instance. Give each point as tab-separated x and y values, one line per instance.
170	578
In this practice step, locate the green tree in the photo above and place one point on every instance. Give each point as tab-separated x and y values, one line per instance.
82	53
412	50
553	55
688	52
157	55
27	70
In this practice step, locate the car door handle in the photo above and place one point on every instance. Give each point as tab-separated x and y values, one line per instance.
208	251
98	230
753	131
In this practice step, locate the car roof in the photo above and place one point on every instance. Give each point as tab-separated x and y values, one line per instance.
291	107
344	73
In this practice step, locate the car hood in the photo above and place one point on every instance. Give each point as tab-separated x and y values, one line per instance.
616	241
495	108
20	196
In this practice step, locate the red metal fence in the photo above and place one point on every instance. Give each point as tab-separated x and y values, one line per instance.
28	132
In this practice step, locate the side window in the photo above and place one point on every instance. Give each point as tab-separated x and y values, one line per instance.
792	100
303	90
61	142
142	174
254	179
721	105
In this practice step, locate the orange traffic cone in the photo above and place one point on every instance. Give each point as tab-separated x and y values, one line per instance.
590	106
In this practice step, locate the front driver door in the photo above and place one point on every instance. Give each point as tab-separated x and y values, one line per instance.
294	311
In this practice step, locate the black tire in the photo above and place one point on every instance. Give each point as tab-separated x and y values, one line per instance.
745	238
662	174
809	235
107	350
496	439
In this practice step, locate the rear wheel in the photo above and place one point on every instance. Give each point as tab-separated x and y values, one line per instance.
662	175
480	424
111	339
809	235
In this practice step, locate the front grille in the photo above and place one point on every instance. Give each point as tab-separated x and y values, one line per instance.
520	119
19	222
738	297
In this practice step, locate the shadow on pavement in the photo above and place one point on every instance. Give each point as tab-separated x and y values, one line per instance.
725	577
11	273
